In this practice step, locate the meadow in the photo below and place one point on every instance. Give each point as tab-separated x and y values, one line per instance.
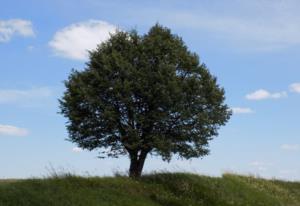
165	189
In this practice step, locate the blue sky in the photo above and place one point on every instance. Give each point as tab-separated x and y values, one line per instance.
253	48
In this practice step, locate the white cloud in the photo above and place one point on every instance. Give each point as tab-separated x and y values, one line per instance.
76	149
30	48
9	130
17	96
260	166
288	172
263	34
262	94
9	28
242	110
295	87
290	147
274	26
76	39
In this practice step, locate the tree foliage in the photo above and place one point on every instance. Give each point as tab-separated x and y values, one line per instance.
144	94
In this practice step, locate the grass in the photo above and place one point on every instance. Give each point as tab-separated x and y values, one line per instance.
162	189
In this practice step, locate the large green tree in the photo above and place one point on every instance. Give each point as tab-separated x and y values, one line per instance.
141	95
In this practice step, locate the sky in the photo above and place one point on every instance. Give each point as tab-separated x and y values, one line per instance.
252	47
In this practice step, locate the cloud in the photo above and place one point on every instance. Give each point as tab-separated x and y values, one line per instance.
290	147
250	32
261	166
30	48
9	130
17	96
274	26
241	110
76	39
77	149
288	172
12	27
258	163
295	87
262	94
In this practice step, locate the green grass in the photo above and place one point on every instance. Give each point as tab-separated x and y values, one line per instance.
167	189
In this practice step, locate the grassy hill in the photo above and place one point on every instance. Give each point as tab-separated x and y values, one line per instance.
167	189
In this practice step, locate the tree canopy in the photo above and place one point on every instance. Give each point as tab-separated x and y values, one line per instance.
144	94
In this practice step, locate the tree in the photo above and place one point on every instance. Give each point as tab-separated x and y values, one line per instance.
141	95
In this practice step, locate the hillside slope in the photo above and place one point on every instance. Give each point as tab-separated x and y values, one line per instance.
167	189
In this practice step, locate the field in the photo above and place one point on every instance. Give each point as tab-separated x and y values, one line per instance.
165	189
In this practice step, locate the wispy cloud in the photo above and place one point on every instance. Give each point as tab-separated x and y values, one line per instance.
260	166
253	33
290	147
25	95
242	110
262	94
77	149
274	25
259	163
75	40
9	130
9	28
287	172
295	87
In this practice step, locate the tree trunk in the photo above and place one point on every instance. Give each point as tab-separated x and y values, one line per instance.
137	164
